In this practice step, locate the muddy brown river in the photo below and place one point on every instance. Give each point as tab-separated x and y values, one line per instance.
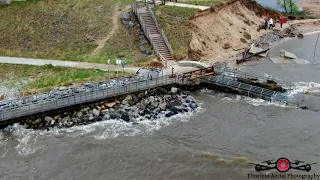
217	142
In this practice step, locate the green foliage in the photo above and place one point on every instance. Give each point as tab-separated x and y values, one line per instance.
47	77
175	23
65	30
289	6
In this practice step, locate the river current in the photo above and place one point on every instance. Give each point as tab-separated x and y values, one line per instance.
217	142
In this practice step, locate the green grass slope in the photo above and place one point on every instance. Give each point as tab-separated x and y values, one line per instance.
63	29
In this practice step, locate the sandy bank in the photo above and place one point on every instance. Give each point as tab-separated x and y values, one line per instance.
312	6
220	34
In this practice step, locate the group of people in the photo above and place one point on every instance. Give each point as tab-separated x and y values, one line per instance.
269	23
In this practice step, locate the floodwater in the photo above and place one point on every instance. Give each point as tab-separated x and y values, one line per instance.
217	142
273	4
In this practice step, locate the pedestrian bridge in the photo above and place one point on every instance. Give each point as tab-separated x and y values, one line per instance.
223	79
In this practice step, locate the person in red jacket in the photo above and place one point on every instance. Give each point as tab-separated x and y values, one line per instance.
281	21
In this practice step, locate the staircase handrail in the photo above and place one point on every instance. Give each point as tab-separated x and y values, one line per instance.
159	29
166	41
147	32
163	58
153	17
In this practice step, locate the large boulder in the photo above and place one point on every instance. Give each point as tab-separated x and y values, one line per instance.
300	35
79	114
106	117
110	104
146	111
163	106
125	116
155	103
95	112
134	100
141	95
169	114
174	90
130	24
126	16
49	121
127	99
115	116
193	106
174	110
66	119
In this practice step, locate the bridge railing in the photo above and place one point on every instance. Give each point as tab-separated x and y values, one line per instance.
260	92
238	74
85	97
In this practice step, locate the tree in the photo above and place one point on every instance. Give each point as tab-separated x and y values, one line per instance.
288	6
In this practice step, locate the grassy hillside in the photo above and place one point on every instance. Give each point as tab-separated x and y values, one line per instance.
175	23
64	29
45	78
204	2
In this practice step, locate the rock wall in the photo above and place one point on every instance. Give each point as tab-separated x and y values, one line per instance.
146	106
132	23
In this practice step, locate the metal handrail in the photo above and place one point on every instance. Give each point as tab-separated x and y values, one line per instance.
153	17
262	91
240	74
159	29
166	41
84	97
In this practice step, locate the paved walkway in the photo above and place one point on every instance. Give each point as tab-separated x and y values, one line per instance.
187	5
86	65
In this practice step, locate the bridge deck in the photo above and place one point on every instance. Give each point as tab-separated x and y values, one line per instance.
241	88
84	97
224	78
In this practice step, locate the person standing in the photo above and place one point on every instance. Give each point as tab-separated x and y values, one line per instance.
266	24
281	21
270	23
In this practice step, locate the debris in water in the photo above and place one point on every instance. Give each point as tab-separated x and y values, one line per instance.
279	60
255	50
301	61
290	55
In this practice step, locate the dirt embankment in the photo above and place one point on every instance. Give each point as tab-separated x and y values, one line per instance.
220	32
312	6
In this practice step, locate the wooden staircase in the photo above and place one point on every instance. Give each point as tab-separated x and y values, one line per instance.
154	33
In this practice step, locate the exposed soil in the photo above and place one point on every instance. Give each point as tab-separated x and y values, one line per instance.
312	6
101	43
220	32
